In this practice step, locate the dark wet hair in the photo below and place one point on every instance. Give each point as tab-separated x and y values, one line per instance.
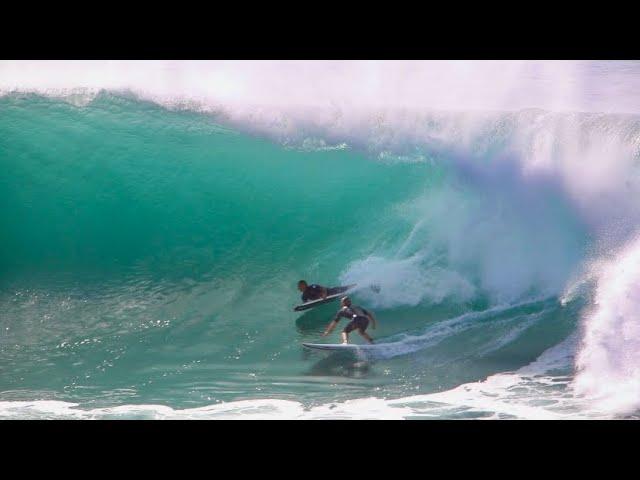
302	281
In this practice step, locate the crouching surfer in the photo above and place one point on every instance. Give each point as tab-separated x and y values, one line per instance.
359	317
316	292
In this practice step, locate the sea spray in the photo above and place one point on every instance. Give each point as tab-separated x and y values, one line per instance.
609	359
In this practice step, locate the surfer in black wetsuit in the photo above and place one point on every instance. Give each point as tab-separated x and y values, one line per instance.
312	292
359	320
316	292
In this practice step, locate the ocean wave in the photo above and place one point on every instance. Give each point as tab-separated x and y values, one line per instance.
437	207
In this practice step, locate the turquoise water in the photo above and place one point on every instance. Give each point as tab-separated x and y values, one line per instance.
150	257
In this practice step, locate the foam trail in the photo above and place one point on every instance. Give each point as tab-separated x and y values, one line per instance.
406	343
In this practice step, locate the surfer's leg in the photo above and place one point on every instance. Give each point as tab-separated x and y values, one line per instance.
361	323
347	330
365	335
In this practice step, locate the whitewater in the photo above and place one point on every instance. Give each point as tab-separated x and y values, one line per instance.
156	216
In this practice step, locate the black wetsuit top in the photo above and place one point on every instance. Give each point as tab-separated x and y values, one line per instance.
358	316
312	292
351	313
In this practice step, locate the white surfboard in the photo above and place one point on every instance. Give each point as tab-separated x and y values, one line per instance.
338	347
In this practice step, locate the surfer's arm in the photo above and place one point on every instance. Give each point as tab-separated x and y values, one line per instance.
324	293
330	327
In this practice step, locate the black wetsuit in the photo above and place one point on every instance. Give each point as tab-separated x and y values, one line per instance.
358	316
314	292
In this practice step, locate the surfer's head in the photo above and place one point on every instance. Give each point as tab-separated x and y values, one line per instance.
345	301
302	285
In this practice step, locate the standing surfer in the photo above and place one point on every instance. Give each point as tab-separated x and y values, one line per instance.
359	320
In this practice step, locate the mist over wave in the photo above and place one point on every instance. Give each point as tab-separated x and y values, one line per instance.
596	86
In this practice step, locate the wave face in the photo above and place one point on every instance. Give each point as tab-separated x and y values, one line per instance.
150	254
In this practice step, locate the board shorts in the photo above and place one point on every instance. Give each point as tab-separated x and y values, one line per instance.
358	323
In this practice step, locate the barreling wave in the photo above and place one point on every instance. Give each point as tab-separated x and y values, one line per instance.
147	253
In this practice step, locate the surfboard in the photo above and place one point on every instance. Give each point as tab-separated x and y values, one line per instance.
320	301
338	347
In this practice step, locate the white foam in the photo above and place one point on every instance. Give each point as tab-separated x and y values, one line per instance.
609	360
405	282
